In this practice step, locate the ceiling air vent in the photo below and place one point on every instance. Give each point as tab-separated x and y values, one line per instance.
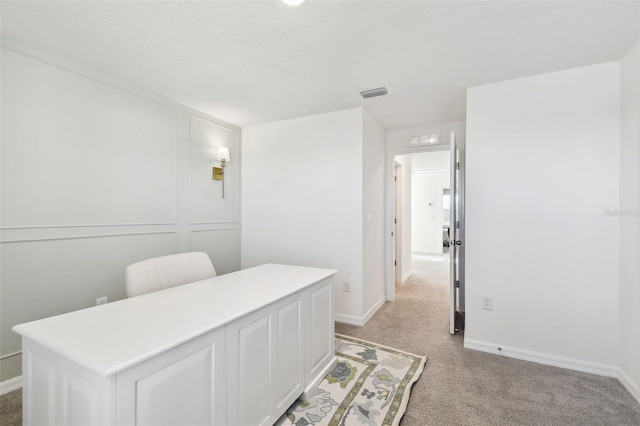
372	93
431	137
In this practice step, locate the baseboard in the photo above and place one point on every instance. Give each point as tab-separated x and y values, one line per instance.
543	358
373	310
360	321
629	384
10	385
348	319
316	381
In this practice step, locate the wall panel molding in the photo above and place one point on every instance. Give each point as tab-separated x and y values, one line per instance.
77	237
220	244
86	226
223	222
85	157
131	199
207	204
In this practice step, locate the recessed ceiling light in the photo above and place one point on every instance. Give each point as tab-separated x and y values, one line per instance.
294	2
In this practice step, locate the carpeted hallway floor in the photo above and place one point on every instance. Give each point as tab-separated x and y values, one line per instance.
466	387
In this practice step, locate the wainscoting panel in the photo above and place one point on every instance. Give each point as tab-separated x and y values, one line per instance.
45	278
71	160
97	174
222	246
207	204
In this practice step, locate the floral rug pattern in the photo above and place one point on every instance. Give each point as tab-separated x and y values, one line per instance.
370	386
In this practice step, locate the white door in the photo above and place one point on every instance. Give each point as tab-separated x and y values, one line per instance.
453	234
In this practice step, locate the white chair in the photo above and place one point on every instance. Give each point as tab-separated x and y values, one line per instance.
167	271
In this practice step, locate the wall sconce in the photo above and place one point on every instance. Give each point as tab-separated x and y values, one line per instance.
218	172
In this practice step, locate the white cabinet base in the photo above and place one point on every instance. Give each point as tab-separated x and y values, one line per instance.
320	355
185	385
245	371
321	375
57	391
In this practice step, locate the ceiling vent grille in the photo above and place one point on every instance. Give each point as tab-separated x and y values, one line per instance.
431	137
372	93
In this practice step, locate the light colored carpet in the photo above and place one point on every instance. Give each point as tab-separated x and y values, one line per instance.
370	385
466	387
11	409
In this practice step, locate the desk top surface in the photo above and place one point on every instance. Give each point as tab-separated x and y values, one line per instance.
109	338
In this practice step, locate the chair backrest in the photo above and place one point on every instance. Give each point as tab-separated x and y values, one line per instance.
167	271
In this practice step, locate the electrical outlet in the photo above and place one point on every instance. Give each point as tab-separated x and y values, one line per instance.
347	287
101	300
487	302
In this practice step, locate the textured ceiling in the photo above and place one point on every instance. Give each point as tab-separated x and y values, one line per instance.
249	62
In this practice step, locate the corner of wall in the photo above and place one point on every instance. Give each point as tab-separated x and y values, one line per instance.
313	200
513	125
373	214
629	224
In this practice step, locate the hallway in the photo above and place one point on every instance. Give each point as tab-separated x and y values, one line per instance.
466	387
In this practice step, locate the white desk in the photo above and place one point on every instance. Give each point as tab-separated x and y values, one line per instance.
235	349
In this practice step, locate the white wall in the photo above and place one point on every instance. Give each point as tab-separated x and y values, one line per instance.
302	197
542	168
426	211
373	157
431	161
426	195
97	175
630	224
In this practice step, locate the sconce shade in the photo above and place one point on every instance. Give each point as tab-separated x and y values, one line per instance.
223	153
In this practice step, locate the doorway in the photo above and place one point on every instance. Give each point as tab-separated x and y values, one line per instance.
421	211
426	219
430	206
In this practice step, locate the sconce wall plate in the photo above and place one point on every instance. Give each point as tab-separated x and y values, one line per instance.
218	173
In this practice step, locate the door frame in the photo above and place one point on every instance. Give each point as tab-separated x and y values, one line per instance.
390	288
397	224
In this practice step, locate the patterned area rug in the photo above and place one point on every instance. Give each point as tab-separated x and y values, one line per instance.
369	386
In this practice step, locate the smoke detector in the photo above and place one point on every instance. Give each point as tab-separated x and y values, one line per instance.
372	93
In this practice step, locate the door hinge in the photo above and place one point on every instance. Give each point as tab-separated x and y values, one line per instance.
395	220
457	284
395	263
392	234
457	224
458	166
395	178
